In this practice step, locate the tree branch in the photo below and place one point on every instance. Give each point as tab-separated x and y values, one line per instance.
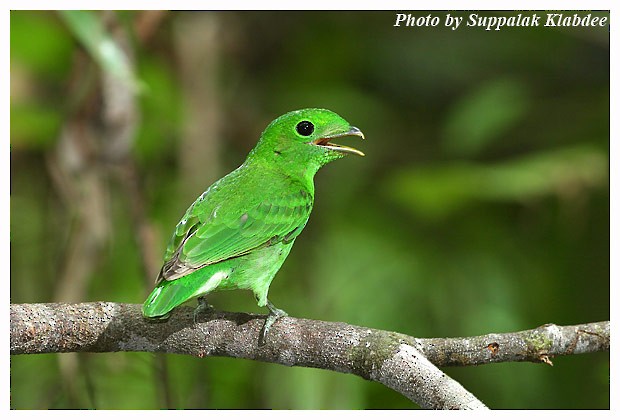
401	362
536	345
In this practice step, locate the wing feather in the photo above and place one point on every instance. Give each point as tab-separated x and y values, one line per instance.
231	230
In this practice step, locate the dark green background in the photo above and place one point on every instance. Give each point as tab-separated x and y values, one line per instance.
482	204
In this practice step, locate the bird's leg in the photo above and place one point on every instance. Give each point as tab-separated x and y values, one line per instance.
203	306
274	315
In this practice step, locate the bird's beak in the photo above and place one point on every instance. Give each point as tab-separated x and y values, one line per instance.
325	141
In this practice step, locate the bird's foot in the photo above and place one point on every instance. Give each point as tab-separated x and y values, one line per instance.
203	306
274	315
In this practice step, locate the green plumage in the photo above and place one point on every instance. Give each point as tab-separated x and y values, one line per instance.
238	233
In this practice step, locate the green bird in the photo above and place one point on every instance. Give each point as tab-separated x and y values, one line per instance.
238	233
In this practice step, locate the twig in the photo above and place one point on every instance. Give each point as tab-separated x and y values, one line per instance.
536	345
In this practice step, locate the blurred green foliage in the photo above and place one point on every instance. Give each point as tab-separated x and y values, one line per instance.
90	30
482	204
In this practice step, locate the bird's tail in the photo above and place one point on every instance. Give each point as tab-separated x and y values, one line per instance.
166	296
158	305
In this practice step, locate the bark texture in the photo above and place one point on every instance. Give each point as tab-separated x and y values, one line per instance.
406	364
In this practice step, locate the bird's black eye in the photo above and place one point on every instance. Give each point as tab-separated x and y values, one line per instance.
305	128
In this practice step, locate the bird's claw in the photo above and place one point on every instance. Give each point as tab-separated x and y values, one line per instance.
274	315
203	306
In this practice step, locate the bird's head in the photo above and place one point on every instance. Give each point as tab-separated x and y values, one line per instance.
306	137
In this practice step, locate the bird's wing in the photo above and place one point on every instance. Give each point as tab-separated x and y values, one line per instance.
230	230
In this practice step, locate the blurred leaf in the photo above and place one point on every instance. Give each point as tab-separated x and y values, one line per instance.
34	125
437	191
88	28
161	107
39	42
40	56
484	116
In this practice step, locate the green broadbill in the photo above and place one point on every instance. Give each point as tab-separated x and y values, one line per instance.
237	234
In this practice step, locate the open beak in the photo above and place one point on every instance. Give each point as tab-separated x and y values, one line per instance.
325	141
